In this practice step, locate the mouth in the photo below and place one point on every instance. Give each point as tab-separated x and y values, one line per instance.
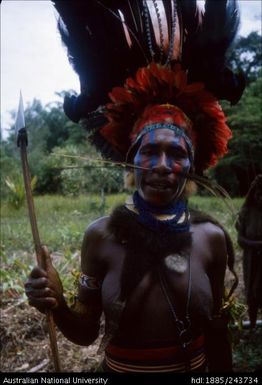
159	185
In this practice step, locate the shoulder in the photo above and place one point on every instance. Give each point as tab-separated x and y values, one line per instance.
211	231
212	238
206	225
97	229
94	237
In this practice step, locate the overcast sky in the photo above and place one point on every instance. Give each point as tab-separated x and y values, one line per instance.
34	60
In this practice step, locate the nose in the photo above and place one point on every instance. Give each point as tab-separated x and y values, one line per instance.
162	166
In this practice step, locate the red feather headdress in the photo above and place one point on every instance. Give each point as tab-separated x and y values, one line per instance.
153	85
116	42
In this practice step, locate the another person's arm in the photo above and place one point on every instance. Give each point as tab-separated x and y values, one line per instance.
245	219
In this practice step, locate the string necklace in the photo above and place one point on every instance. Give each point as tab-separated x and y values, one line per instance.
183	327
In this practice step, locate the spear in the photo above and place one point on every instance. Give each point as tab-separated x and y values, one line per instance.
22	142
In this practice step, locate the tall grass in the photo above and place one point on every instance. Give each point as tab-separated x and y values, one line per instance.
62	222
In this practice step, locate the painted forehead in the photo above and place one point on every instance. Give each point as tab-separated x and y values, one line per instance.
148	135
163	135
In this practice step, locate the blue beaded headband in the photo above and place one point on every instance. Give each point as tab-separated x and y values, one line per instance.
178	131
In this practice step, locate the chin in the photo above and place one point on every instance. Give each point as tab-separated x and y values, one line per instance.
158	197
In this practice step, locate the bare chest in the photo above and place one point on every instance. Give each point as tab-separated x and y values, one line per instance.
150	311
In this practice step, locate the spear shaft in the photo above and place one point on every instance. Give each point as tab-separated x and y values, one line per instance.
40	255
30	204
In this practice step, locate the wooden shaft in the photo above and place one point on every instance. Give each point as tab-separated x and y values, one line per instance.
31	208
40	255
53	340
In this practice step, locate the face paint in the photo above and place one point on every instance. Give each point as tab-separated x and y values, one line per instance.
151	142
180	162
165	154
179	169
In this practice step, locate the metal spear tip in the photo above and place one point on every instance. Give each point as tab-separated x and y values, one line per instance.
20	130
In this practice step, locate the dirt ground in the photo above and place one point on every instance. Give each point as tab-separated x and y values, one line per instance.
25	343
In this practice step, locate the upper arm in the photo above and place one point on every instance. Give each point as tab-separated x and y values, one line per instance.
217	266
91	259
218	347
92	269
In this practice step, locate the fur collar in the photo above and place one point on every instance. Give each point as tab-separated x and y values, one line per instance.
145	249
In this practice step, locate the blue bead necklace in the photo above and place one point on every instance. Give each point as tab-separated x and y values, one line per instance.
177	209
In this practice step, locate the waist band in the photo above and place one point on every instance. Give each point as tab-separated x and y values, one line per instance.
167	359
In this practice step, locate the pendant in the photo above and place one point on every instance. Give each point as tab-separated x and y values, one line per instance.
176	262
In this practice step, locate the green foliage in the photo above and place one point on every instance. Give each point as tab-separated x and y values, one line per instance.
61	130
62	222
12	278
16	196
247	350
233	310
237	170
10	168
246	56
51	135
243	162
73	175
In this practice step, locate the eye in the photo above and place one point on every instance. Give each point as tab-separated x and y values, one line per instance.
178	154
147	152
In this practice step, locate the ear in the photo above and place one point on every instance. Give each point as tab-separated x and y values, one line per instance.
190	186
129	180
190	189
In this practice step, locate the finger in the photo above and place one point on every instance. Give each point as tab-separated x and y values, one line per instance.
43	303
40	293
37	272
46	255
36	283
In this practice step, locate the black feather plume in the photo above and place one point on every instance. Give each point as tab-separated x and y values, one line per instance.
206	45
97	48
103	57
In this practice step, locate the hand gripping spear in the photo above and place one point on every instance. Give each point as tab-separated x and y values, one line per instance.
40	254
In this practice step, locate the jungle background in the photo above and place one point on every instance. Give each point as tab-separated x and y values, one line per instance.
71	191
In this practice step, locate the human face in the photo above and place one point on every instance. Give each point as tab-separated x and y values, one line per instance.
165	155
